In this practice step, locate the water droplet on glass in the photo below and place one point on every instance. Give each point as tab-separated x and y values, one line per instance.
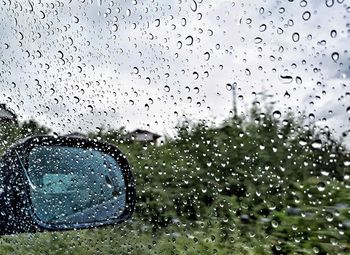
335	56
207	56
334	33
108	181
90	108
76	19
286	79
274	224
258	40
329	3
194	6
277	114
295	37
189	40
302	142
286	95
317	144
306	15
298	80
321	186
262	28
329	217
166	88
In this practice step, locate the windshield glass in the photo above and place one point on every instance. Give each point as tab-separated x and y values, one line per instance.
234	116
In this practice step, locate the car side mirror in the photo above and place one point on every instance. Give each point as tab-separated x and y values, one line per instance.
62	183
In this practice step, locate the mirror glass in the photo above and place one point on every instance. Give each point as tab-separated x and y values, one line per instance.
70	185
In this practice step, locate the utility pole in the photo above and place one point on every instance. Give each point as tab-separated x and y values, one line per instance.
234	98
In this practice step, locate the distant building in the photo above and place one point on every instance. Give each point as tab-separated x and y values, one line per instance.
76	134
140	135
6	115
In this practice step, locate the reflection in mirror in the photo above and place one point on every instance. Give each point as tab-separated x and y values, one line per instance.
74	185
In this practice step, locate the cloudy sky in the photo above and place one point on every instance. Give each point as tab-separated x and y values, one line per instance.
78	65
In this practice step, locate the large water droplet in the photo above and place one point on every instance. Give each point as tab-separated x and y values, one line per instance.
306	15
286	79
335	56
334	33
277	114
329	3
317	144
295	37
321	186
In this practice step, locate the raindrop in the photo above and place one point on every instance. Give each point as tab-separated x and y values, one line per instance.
286	79
329	217
317	144
329	3
157	22
306	15
76	19
274	224
90	108
295	37
207	56
189	40
135	70
258	40
303	3
298	80
286	95
42	15
108	181
228	87
277	114
115	28
335	56
334	33
321	186
262	28
195	75
166	88
194	6
60	54
247	72
302	142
